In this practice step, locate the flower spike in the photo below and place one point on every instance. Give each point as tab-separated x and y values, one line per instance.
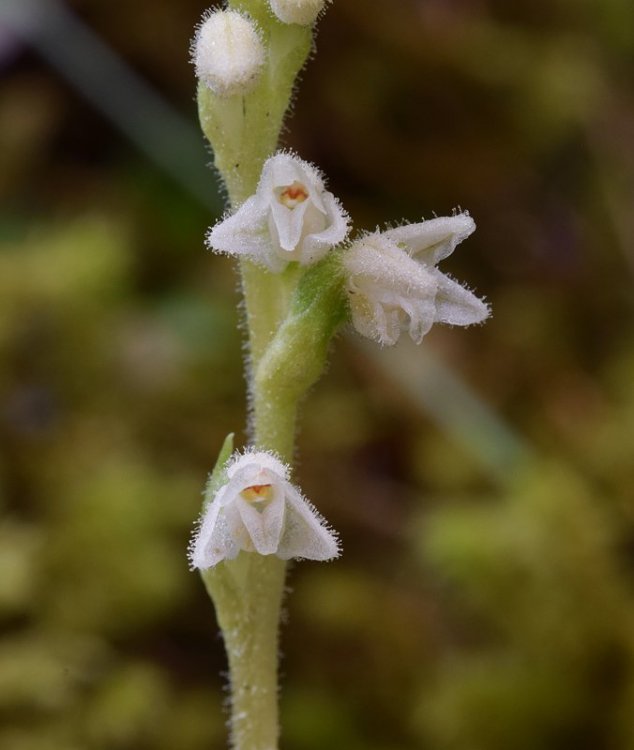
259	510
291	217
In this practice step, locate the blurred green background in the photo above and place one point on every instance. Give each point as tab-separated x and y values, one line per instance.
483	484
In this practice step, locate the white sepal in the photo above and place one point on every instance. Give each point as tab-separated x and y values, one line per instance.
228	53
433	240
291	217
259	510
393	283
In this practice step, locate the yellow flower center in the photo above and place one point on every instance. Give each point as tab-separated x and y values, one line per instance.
257	493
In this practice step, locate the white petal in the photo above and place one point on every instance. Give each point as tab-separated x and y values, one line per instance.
374	257
334	231
213	542
370	319
305	532
283	169
264	527
259	459
243	233
431	241
421	314
456	305
287	225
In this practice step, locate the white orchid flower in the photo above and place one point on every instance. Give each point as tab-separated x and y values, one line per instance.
291	217
394	284
259	510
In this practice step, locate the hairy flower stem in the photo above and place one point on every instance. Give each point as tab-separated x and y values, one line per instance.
247	591
274	412
291	318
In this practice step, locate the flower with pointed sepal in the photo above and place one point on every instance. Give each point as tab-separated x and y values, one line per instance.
291	217
394	285
259	510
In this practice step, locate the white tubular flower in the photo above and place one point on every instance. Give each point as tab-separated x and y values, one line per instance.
394	284
303	12
228	53
291	217
259	510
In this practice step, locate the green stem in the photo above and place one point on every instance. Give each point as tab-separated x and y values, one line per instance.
247	593
296	351
291	319
273	414
266	297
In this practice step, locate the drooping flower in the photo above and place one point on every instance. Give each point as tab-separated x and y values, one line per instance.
259	510
228	53
302	12
291	217
394	285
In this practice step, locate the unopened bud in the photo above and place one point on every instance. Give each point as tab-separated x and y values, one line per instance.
228	53
303	12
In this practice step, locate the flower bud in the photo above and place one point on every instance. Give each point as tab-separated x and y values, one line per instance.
303	12
228	53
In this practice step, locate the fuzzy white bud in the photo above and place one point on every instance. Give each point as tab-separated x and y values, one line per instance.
228	53
302	12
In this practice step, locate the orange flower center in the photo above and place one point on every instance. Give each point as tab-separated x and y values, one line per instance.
293	195
257	493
